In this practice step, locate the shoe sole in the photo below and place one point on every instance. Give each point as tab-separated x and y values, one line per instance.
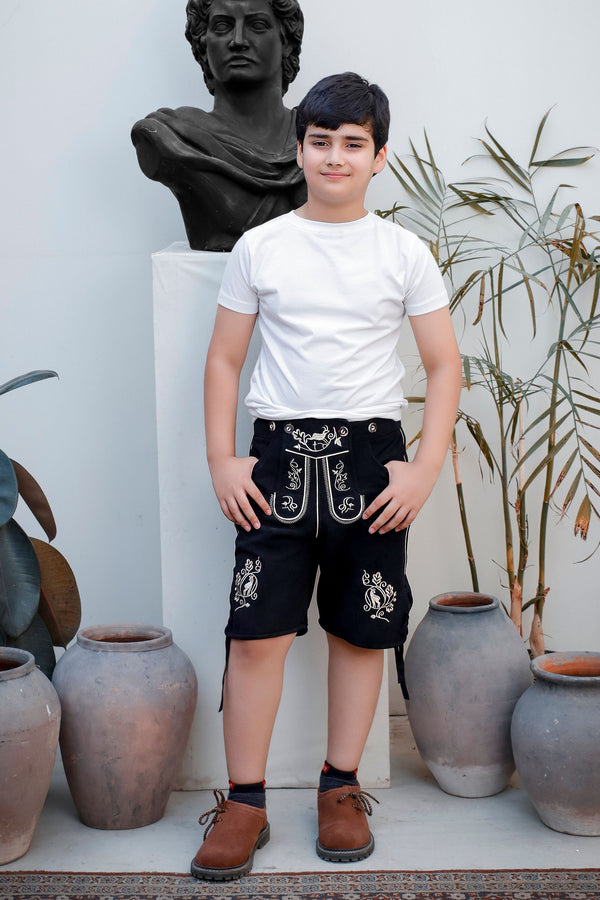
232	872
342	856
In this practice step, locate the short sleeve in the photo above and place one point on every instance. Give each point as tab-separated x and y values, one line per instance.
425	290
236	290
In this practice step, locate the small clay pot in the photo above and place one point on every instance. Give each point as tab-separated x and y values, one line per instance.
556	741
128	695
466	667
29	726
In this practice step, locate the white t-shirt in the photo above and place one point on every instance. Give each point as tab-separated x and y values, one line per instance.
330	299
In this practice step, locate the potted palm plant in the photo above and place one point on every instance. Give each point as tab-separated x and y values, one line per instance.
544	270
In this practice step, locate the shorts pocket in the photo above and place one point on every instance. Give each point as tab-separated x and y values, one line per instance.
380	449
266	469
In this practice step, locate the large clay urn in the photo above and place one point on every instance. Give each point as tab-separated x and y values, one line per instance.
466	667
556	741
29	725
128	695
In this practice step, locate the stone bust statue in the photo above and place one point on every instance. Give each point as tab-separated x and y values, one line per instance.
234	167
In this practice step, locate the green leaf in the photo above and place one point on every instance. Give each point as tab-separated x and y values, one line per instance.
559	161
546	460
29	378
9	490
19	580
538	135
571	492
37	640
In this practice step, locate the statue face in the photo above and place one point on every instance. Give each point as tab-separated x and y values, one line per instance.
243	42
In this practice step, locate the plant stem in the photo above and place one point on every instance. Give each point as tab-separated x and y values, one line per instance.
463	513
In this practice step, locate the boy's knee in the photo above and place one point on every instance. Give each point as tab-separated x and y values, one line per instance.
262	650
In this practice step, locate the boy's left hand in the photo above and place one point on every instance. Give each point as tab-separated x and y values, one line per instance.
409	487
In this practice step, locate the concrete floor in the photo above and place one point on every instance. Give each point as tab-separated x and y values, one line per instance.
416	827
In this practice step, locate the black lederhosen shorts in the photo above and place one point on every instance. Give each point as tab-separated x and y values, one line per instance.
319	476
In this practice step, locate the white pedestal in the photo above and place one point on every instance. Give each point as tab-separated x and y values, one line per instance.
197	546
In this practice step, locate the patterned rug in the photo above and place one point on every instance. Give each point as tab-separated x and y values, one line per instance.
555	884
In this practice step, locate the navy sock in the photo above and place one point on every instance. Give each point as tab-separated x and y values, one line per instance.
250	794
335	778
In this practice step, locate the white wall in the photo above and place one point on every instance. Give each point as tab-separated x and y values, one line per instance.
79	222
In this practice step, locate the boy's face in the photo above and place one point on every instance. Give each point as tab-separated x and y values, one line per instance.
338	165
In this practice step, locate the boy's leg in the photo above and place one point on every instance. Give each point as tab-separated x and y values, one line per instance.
354	683
251	696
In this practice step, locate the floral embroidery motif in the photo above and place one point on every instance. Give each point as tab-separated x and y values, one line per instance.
341	477
316	442
347	505
294	480
288	503
380	596
246	584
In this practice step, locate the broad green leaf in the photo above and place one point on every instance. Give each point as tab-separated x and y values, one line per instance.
9	490
19	579
29	378
37	640
35	499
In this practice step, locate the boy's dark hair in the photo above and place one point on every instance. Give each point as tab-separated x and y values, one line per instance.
345	98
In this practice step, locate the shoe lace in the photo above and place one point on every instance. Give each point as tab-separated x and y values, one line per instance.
215	812
361	800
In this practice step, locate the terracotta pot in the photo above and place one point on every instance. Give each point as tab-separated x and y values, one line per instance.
466	667
128	695
556	741
29	725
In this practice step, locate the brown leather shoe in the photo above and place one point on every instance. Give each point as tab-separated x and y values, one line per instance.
235	832
344	834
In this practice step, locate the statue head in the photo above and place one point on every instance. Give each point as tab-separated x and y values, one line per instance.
291	25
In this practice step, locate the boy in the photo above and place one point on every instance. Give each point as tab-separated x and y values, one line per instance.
327	483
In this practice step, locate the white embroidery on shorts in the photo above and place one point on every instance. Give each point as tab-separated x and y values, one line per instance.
317	441
246	584
294	480
380	596
341	477
288	503
347	505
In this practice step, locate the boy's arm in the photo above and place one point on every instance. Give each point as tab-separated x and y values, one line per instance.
411	482
231	475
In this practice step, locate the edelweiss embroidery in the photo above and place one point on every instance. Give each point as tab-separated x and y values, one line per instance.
294	480
380	596
341	477
246	584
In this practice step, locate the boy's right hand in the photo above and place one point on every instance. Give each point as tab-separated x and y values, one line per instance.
232	481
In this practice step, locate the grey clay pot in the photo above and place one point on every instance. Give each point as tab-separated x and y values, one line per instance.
128	696
29	725
556	741
466	667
